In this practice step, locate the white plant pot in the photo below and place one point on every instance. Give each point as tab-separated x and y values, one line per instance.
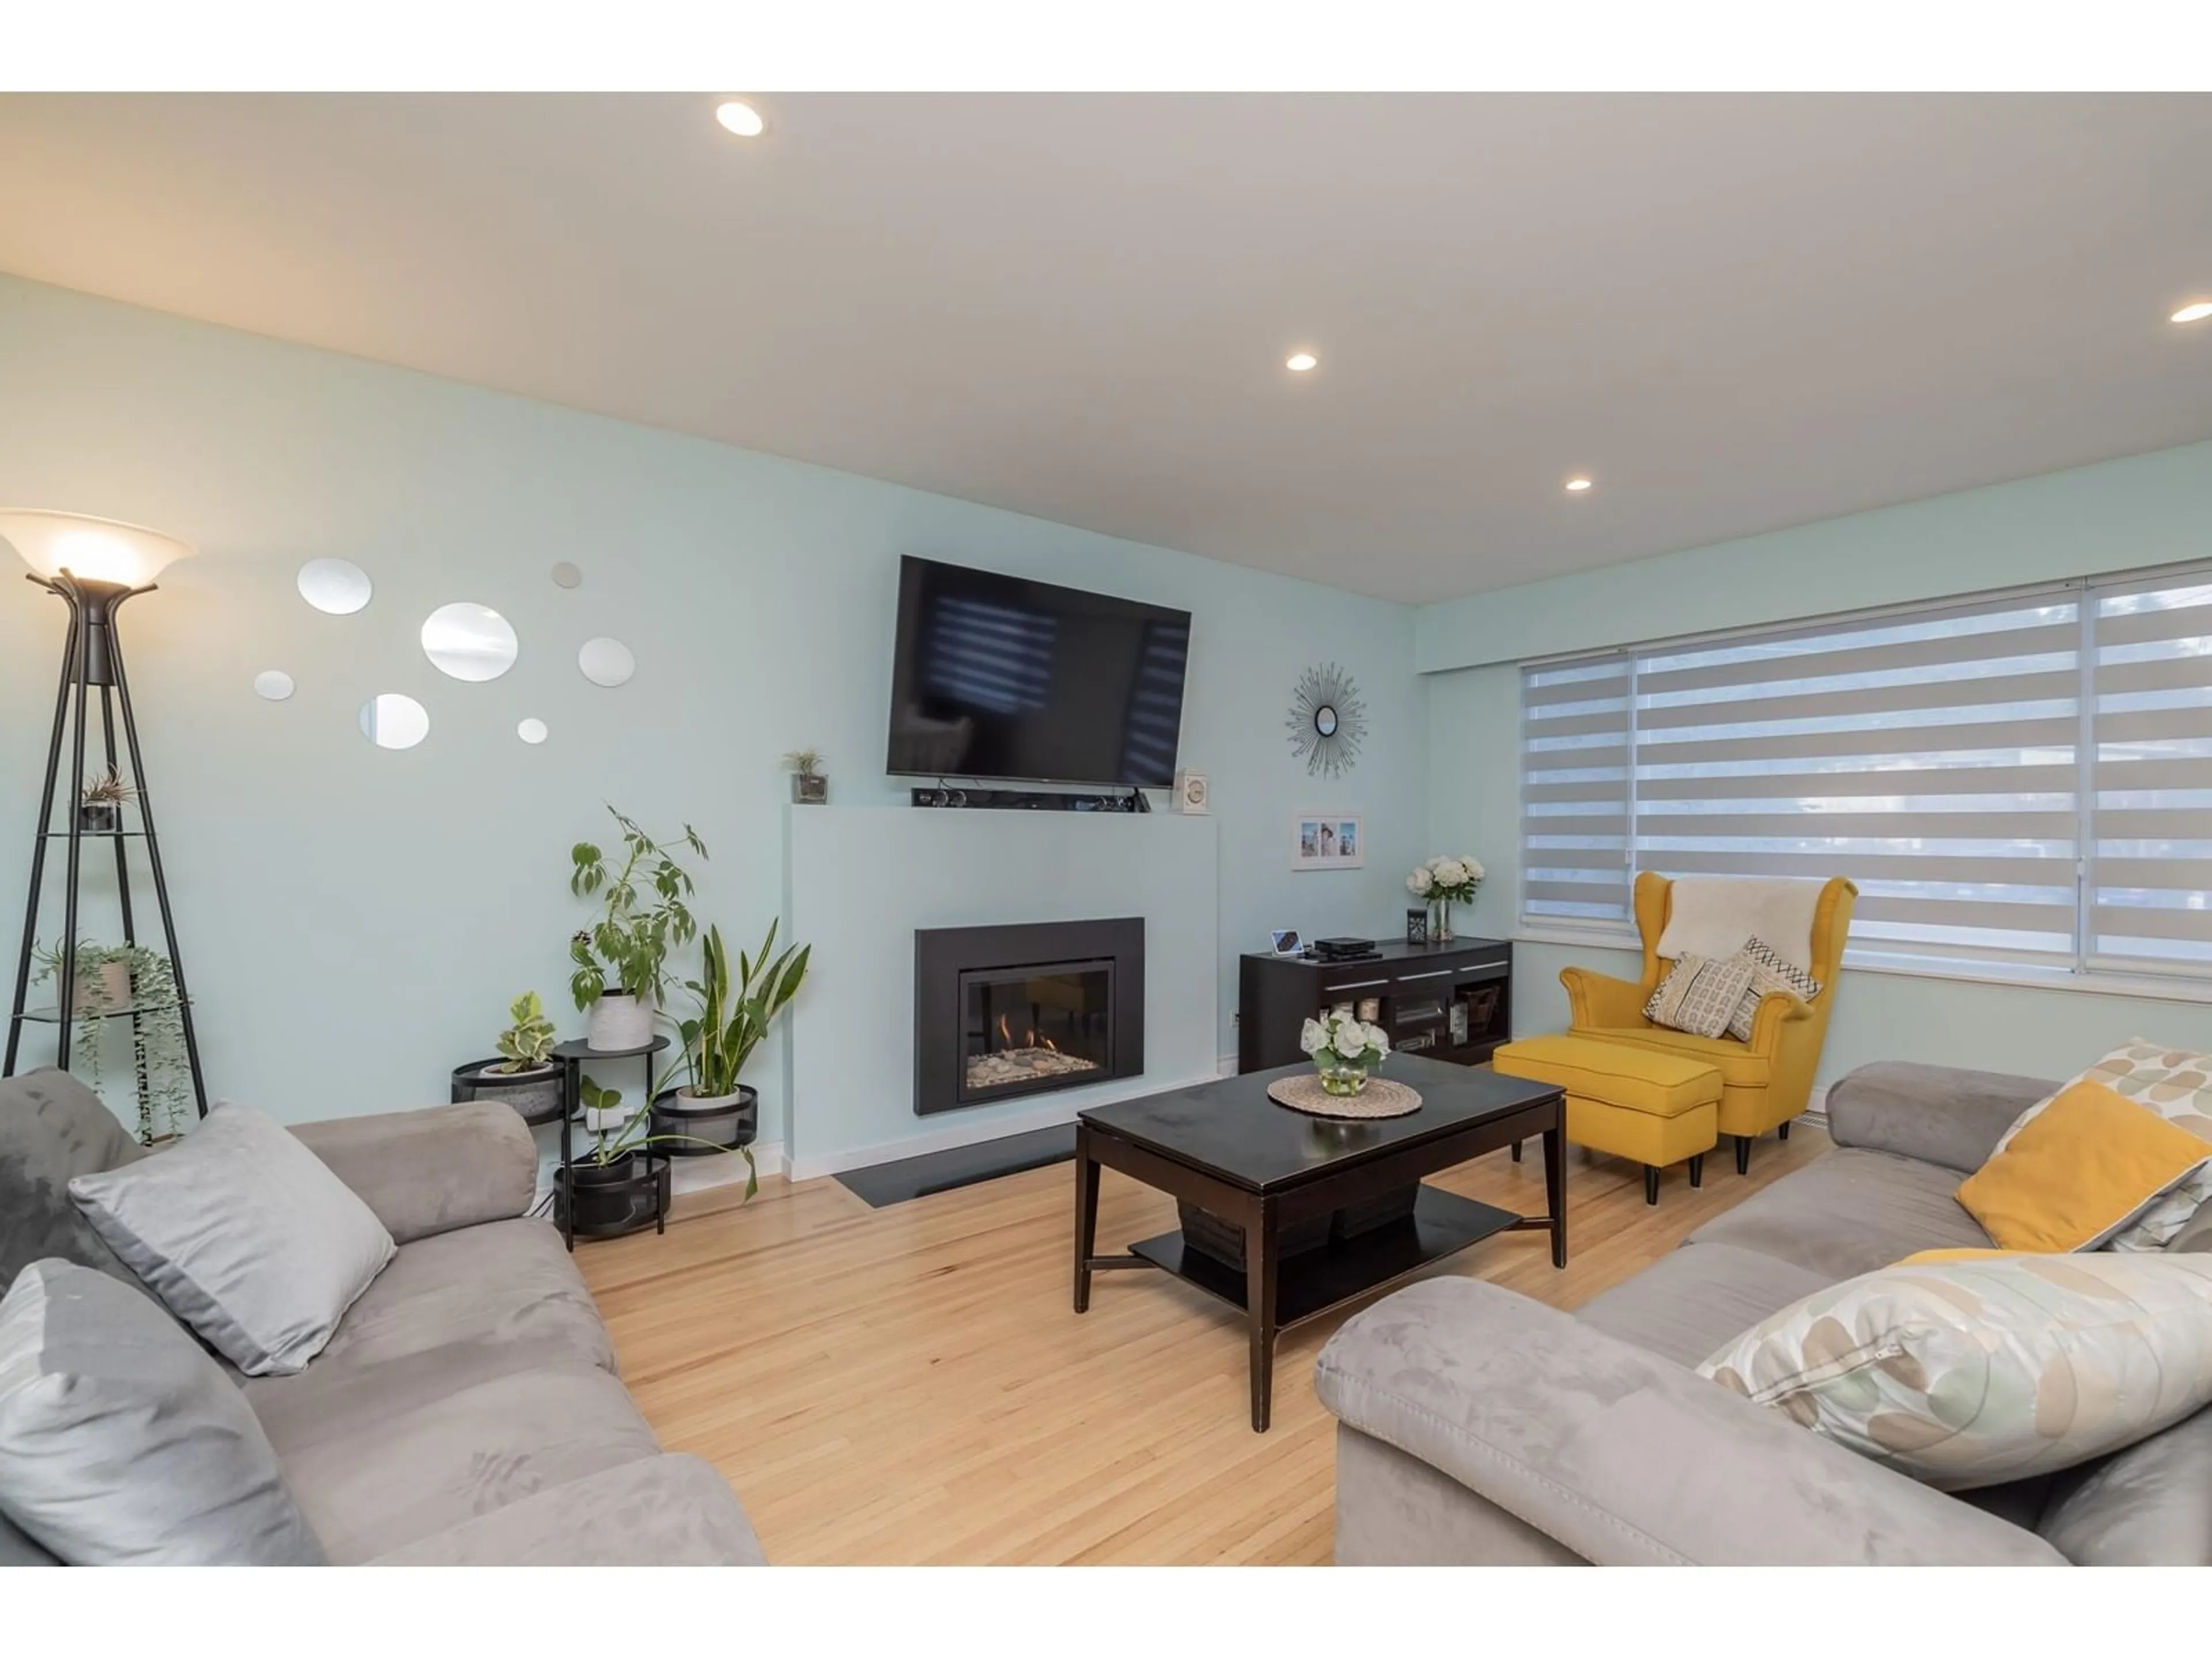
604	1120
619	1020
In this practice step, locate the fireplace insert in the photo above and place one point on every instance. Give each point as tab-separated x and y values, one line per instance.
1000	1012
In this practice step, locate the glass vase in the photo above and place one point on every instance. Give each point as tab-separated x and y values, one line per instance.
1339	1076
1441	931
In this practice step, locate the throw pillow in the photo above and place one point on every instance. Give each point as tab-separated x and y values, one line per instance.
122	1442
1699	995
1770	972
2177	1085
1975	1373
246	1235
2089	1164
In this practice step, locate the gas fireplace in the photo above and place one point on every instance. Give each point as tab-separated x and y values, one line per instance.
1000	1012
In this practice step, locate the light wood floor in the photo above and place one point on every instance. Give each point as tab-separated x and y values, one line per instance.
909	1385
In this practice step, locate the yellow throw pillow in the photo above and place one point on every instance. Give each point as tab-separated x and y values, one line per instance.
1944	1258
2079	1171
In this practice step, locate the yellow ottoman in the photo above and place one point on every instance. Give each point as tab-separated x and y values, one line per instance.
1632	1102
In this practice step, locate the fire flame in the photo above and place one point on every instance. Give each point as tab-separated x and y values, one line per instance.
1050	1044
1005	1036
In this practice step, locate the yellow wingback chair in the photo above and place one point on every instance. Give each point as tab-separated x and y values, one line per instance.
1765	1082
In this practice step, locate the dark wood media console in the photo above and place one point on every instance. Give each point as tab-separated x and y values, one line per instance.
1452	1001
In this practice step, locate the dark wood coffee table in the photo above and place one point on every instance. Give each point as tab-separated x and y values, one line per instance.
1282	1177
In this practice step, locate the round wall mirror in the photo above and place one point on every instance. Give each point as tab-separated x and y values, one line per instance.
338	587
605	661
393	721
469	641
567	575
531	731
274	684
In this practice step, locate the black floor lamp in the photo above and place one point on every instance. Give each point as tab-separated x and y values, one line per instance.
93	565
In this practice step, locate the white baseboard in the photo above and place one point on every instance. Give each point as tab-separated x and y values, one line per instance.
968	1134
1224	1065
696	1174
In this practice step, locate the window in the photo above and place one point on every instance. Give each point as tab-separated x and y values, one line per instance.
2022	780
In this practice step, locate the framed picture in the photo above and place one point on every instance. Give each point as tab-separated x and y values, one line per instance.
1329	840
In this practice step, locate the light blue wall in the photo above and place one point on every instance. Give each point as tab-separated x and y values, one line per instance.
2147	510
354	921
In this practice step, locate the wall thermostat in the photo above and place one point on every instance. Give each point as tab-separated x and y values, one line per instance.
1193	793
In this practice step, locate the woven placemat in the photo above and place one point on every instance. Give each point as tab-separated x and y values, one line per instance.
1381	1098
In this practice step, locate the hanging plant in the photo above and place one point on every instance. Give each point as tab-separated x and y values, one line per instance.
141	986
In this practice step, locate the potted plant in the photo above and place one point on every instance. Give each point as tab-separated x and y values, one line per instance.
130	989
1443	882
808	785
714	1109
523	1074
1344	1051
622	959
99	808
615	1185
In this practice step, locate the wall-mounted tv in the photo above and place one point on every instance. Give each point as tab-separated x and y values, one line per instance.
999	678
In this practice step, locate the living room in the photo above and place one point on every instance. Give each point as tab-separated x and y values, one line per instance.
866	829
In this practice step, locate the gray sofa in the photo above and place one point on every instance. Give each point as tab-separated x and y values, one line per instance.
1475	1426
467	1410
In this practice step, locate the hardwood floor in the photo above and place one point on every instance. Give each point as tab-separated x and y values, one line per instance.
909	1385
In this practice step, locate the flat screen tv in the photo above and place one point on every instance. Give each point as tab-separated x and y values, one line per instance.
999	678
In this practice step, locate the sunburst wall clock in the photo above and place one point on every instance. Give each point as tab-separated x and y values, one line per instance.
1326	722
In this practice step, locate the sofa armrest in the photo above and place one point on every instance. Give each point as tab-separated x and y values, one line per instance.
433	1170
1937	1113
1625	1458
1596	999
672	1510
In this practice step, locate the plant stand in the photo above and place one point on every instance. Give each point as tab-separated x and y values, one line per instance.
729	1126
538	1096
572	1056
93	660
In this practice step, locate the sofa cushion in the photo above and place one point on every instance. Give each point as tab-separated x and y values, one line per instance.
52	1128
672	1510
2148	1506
2083	1169
122	1444
1849	1214
246	1235
452	1311
1691	1300
371	1483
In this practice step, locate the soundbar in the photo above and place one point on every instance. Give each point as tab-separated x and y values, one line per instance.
1029	800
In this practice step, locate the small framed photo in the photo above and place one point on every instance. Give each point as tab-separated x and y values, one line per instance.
1417	926
1329	840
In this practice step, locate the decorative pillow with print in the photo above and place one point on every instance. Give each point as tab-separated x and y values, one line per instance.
1770	972
2177	1085
1699	995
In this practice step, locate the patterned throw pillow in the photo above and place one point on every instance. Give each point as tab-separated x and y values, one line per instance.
1699	996
1973	1373
1770	972
2177	1085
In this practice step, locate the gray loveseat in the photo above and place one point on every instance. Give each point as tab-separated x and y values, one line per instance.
1475	1426
467	1411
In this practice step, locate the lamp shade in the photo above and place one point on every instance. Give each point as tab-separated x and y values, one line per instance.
94	550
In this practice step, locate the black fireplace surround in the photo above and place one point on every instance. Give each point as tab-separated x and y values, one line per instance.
1001	1012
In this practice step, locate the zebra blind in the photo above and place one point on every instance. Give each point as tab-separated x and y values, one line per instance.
2022	779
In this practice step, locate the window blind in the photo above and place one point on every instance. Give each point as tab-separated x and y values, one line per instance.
1575	730
2150	862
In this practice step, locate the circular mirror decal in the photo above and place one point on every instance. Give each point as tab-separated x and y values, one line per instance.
567	575
606	662
530	731
337	587
393	721
274	684
469	641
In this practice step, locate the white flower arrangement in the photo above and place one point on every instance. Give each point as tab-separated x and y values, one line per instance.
1336	1037
1452	880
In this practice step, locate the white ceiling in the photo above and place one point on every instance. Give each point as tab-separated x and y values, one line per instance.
1737	313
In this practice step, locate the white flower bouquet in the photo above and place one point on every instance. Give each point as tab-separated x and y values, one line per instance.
1344	1050
1444	881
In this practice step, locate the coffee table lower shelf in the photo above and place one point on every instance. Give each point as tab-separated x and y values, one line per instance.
1312	1282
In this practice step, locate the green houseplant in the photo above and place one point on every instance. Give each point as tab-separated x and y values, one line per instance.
610	1186
130	988
622	958
734	1012
522	1074
808	785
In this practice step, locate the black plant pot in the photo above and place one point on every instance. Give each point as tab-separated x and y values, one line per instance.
621	1196
535	1094
99	818
727	1127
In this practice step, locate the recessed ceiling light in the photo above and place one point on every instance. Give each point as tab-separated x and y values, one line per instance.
1578	485
739	118
1299	361
2196	313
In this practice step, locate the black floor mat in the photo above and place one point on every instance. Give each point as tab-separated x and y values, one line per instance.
880	1185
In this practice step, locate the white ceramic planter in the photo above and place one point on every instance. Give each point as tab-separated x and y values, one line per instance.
619	1020
604	1120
